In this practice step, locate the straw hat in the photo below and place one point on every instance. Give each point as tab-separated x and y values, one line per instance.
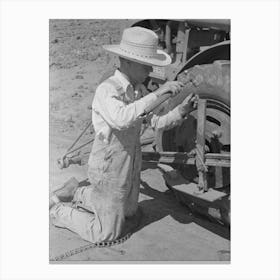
140	45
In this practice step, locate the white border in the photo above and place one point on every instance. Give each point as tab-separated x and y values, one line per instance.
24	138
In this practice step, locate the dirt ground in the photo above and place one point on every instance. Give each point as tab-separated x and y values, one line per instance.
167	230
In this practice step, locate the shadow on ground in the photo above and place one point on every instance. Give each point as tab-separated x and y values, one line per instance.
165	203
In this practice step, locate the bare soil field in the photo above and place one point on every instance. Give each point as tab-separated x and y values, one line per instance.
167	230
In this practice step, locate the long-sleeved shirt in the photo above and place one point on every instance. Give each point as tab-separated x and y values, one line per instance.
114	163
117	105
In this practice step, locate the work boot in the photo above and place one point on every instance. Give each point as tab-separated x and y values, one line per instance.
67	191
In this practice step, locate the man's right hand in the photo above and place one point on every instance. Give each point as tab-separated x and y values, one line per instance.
171	86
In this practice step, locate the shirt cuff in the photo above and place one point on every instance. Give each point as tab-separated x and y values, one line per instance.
176	115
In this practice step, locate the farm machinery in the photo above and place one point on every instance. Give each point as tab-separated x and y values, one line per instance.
194	156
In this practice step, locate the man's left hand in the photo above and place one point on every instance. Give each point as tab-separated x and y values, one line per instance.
188	104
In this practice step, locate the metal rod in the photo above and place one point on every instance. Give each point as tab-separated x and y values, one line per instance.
83	145
185	158
79	137
157	102
163	157
145	142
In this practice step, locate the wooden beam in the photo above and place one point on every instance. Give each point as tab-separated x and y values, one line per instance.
200	144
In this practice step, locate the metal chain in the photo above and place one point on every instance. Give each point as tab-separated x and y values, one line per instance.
102	244
82	249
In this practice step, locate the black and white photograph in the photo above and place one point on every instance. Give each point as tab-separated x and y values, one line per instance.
139	140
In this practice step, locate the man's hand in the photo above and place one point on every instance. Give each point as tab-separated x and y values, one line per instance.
188	104
174	87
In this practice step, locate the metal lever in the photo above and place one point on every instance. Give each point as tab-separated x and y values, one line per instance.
158	102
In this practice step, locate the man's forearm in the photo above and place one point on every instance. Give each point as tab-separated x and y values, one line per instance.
167	121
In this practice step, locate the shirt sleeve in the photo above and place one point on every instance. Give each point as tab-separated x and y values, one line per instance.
167	121
114	111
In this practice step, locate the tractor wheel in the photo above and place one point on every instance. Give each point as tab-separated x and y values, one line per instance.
210	82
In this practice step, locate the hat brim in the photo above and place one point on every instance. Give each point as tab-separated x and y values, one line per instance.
160	59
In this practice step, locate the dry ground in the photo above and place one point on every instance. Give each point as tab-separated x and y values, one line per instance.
167	230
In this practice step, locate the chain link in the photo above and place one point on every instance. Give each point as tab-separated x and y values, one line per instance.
102	244
82	249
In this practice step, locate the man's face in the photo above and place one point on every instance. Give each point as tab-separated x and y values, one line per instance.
139	72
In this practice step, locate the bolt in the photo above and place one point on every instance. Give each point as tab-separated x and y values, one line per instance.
63	162
60	163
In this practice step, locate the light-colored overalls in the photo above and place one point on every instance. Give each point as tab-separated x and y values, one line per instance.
114	165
